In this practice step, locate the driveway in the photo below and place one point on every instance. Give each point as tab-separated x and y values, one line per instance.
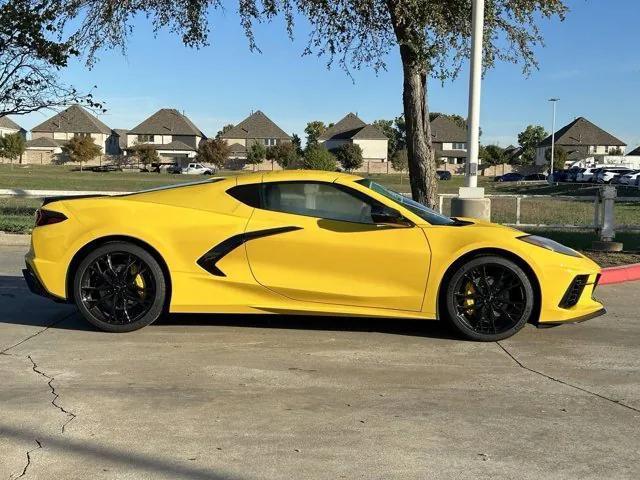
271	397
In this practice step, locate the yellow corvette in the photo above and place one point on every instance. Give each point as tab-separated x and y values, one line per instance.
300	242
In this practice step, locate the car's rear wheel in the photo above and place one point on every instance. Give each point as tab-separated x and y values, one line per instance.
119	287
489	298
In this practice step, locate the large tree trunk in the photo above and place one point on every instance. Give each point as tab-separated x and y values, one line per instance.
422	166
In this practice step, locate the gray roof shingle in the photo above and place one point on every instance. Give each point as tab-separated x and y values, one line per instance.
634	152
121	133
6	122
176	145
445	130
43	142
352	127
582	132
167	121
256	125
74	119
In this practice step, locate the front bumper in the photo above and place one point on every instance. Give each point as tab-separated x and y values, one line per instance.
574	302
579	319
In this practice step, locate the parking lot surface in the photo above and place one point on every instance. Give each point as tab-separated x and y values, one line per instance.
274	397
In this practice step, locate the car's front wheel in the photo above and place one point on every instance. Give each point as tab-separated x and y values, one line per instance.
489	298
119	287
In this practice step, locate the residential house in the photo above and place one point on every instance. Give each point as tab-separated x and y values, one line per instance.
74	121
351	129
118	141
256	128
170	133
449	140
8	127
580	139
634	153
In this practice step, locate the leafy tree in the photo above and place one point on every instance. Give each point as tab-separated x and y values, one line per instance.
12	146
313	130
284	154
529	139
297	143
560	157
214	151
319	158
433	39
31	54
80	150
224	130
492	155
256	154
349	156
145	154
400	161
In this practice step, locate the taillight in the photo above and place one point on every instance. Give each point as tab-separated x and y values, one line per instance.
48	217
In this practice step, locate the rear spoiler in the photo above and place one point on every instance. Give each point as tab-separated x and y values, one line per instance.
47	200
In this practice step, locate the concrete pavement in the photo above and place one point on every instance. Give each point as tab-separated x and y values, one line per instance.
240	397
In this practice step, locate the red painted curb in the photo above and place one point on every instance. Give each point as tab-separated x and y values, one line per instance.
625	273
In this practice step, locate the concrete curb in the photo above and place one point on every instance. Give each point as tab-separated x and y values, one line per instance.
14	240
624	273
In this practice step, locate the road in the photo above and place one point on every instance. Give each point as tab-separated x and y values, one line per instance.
220	397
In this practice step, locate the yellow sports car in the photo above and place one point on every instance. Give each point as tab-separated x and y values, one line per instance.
300	242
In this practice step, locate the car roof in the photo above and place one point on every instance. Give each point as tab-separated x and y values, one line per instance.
296	175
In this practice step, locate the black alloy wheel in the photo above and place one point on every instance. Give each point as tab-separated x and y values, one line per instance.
489	298
119	287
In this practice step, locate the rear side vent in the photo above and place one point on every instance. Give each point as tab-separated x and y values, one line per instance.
572	295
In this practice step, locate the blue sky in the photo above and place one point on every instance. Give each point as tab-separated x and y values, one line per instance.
591	61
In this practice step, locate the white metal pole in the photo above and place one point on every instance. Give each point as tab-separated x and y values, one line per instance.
473	134
553	136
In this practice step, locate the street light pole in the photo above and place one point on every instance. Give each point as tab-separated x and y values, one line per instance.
471	201
553	136
475	82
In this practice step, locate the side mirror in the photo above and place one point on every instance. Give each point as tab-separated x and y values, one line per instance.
387	215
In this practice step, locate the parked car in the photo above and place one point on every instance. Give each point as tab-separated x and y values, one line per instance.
509	177
558	176
535	176
586	175
109	167
572	174
443	175
629	178
197	169
606	175
262	253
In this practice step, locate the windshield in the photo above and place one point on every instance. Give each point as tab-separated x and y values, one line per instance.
431	216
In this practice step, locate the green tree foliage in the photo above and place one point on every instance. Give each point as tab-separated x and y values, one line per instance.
32	51
214	151
313	130
560	157
224	130
528	140
394	130
432	38
400	161
349	156
284	154
80	150
145	154
319	158
492	155
12	146
256	154
297	143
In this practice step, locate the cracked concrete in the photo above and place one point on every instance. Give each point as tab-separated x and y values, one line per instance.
290	397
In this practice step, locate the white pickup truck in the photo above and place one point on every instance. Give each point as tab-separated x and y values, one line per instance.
197	169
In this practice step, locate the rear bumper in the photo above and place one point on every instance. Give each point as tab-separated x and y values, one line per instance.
35	285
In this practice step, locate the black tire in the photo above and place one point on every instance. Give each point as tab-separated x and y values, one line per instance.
488	298
119	287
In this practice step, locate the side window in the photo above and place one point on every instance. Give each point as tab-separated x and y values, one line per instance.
314	199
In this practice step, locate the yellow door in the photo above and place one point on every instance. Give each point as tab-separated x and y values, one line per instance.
337	254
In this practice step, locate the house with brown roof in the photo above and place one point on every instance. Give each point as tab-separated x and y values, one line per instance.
72	122
449	140
581	139
256	128
352	129
9	127
174	136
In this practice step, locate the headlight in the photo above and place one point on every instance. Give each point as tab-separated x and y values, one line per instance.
549	245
